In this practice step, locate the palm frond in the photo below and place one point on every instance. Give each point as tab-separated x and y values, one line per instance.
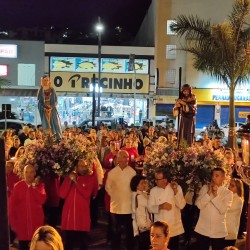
192	27
238	16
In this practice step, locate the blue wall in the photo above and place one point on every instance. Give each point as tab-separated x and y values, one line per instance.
225	114
205	113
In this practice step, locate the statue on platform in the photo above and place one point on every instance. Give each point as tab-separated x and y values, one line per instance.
47	106
186	106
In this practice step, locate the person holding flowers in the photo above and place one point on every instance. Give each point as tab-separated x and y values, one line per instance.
77	189
25	207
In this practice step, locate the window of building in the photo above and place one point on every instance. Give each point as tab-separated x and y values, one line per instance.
169	32
171	74
77	109
26	74
170	51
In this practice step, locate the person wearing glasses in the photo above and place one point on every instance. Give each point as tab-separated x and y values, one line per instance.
165	202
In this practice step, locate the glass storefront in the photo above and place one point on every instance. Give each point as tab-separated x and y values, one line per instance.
74	110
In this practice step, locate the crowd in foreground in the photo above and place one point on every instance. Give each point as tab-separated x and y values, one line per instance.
117	178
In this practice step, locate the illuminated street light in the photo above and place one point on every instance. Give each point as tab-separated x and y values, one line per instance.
93	87
99	29
131	67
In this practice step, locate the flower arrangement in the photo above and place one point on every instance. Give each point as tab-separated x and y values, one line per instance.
190	166
59	158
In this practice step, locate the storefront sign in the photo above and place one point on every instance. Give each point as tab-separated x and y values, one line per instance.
110	83
220	95
86	64
8	50
224	95
242	114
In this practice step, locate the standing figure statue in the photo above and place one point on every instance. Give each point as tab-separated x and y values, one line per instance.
187	106
47	106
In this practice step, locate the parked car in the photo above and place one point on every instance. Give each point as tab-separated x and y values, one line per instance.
11	124
110	122
9	115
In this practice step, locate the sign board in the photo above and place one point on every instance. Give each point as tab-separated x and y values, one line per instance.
110	83
220	95
3	70
242	114
87	65
8	50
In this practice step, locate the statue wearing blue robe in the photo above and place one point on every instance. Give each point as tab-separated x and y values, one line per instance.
47	106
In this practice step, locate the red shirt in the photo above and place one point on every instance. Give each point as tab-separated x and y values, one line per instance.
52	185
11	179
107	164
76	211
131	151
26	209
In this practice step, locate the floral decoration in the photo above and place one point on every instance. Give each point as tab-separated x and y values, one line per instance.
190	166
60	157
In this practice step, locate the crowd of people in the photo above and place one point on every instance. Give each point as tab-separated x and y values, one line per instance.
148	217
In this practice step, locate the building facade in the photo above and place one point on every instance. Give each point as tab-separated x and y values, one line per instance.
74	69
212	96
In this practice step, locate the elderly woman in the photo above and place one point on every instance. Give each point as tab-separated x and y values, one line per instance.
47	106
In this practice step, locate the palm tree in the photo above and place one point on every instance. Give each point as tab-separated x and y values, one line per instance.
221	50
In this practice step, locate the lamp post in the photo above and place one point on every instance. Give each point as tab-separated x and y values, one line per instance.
99	29
93	87
244	170
131	67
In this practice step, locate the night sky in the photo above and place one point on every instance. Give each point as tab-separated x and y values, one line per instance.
74	14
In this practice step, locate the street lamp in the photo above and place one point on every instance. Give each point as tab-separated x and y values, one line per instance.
244	170
99	28
94	88
131	67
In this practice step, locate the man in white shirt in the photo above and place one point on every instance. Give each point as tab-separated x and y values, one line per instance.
118	187
213	201
165	202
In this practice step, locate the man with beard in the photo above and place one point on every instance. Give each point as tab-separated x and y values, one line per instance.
187	106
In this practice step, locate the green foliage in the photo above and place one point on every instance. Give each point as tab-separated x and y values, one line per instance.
220	50
4	82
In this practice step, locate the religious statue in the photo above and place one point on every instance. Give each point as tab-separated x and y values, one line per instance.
186	106
47	106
